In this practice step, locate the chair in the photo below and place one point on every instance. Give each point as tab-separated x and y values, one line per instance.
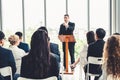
93	60
6	71
50	78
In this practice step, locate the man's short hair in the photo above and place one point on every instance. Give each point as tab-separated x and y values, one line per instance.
2	35
66	15
19	34
100	32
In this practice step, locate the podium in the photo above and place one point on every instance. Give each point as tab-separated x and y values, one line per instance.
66	39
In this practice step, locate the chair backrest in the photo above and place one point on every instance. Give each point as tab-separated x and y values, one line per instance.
49	78
6	71
93	60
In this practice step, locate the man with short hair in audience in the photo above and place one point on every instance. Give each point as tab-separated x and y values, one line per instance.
95	50
22	45
6	57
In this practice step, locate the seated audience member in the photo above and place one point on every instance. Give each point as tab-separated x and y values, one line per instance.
54	48
95	50
17	52
39	63
83	54
22	45
111	59
6	57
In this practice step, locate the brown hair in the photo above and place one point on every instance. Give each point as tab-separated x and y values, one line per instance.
111	56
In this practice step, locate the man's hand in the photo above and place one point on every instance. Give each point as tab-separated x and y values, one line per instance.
65	24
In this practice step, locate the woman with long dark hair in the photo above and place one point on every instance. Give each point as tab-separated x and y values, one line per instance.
40	63
90	37
83	53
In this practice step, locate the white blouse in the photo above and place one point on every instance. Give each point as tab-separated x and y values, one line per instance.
83	55
18	54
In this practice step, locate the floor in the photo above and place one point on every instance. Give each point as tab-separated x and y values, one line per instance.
78	74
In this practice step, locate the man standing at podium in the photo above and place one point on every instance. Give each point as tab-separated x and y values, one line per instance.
67	28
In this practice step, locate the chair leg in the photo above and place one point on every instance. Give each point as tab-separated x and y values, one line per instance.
92	77
87	77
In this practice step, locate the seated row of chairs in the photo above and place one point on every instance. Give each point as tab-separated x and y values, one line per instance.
50	78
6	71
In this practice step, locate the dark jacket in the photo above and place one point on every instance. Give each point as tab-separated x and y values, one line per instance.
28	68
68	31
7	59
55	49
24	46
95	50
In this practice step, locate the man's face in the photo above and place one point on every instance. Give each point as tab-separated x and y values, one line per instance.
66	18
96	38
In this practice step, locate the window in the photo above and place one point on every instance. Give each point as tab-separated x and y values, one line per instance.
99	14
55	16
12	16
34	16
77	9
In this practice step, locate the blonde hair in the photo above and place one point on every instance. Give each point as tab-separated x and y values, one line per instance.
111	56
13	39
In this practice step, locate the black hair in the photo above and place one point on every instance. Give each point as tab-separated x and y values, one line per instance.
39	52
19	34
66	15
100	32
2	35
90	37
43	28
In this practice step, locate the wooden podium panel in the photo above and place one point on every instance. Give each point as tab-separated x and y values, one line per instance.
66	39
63	38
